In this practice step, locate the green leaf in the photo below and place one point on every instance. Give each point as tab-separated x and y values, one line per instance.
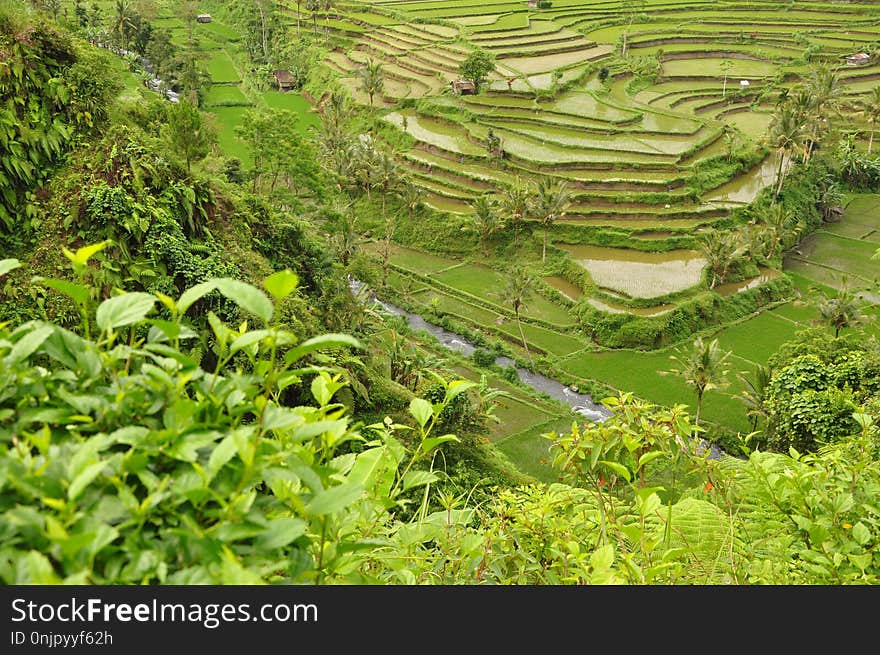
421	411
281	284
124	310
281	532
26	346
82	255
246	296
649	457
418	479
457	387
368	465
334	499
277	418
83	479
7	265
620	469
861	534
248	339
78	292
191	295
431	443
603	557
224	451
328	341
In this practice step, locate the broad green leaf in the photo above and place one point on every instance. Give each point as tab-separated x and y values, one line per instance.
29	343
861	533
276	418
248	339
418	479
246	296
224	451
124	310
7	265
649	457
78	292
431	443
457	387
620	469
334	499
368	465
603	557
191	295
82	255
330	341
281	284
84	478
281	532
421	411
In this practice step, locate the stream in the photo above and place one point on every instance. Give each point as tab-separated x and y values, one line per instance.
581	403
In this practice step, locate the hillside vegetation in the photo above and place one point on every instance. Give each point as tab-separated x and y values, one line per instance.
198	386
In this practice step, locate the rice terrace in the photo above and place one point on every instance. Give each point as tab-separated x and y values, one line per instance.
660	119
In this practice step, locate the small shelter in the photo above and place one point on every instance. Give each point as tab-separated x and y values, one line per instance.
533	4
463	87
203	18
858	59
284	78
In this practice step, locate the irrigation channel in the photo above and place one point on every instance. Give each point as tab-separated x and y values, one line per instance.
581	403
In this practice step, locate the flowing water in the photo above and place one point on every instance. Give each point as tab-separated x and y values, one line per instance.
581	403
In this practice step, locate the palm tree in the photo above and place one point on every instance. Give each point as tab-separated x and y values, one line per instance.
412	196
517	292
704	368
387	177
123	23
780	224
754	392
823	84
515	203
842	310
550	204
787	135
721	250
372	78
486	219
870	108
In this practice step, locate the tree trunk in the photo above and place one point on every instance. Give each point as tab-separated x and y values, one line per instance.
544	248
523	336
699	406
779	175
871	141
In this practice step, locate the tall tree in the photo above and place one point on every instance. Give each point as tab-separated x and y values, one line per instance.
387	177
870	109
787	137
515	203
842	310
823	83
704	367
631	10
721	250
372	77
486	219
189	133
517	292
754	392
477	66
548	205
123	23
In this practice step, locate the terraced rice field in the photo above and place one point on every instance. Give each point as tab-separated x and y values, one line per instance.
717	67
